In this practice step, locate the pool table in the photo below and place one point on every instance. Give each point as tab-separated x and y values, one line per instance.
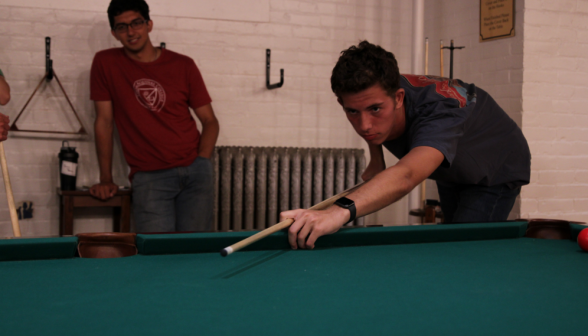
462	279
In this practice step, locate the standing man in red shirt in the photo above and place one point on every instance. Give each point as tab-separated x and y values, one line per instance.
147	92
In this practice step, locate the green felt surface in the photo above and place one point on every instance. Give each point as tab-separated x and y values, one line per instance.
214	242
38	248
489	287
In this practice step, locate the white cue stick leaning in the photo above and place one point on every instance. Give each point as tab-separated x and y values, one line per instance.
284	224
441	58
424	183
426	56
9	197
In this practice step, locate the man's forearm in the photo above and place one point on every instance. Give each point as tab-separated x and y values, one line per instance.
382	190
210	131
4	91
395	182
104	149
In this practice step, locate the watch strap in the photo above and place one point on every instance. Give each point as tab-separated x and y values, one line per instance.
349	205
352	212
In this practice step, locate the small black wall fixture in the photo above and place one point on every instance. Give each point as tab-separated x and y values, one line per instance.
48	60
162	45
269	86
451	48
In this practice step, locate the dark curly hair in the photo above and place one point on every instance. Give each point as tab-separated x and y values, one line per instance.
117	7
361	67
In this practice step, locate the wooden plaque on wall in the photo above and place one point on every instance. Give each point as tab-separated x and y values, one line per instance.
497	19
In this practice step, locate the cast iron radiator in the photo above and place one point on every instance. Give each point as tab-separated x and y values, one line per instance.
254	184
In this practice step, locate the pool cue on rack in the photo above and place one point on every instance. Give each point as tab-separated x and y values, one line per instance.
424	183
426	55
441	59
284	224
9	197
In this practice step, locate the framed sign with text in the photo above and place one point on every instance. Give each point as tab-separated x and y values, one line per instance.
497	19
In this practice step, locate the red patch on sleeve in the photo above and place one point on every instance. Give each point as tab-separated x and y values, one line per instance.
443	86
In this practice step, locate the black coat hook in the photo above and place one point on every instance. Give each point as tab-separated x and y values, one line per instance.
269	86
162	45
48	60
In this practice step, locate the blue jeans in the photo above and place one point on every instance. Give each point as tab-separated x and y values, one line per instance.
476	204
176	199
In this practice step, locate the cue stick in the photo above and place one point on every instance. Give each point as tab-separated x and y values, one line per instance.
426	55
424	195
284	224
441	58
424	183
9	197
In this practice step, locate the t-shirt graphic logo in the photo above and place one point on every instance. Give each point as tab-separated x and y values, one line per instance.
449	88
150	94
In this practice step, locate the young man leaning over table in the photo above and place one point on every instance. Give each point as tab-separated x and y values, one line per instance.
4	99
439	128
148	92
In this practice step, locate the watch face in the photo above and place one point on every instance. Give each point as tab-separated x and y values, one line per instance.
344	202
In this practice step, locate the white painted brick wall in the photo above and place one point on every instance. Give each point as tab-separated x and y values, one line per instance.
543	90
495	66
305	36
554	115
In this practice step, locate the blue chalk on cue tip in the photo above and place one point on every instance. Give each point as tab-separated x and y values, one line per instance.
226	251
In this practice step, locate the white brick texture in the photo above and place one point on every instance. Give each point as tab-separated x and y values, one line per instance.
554	99
495	66
305	37
536	76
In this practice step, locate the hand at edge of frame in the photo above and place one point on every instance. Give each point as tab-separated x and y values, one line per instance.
4	127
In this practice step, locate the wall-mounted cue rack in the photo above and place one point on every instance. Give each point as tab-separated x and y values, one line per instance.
49	75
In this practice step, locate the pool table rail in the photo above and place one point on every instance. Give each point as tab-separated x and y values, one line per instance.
182	243
356	236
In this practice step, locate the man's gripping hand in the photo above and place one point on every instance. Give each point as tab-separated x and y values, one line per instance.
309	225
4	126
103	190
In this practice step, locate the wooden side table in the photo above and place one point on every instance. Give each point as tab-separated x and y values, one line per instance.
70	199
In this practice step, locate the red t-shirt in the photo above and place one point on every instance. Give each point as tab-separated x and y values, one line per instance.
150	105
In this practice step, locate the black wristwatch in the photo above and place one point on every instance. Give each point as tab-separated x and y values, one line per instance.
348	204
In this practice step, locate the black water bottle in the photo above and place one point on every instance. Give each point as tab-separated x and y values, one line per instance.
68	166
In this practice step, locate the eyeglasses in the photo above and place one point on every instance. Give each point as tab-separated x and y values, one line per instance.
124	27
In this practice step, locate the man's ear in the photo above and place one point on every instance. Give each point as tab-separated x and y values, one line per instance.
149	26
339	101
399	98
